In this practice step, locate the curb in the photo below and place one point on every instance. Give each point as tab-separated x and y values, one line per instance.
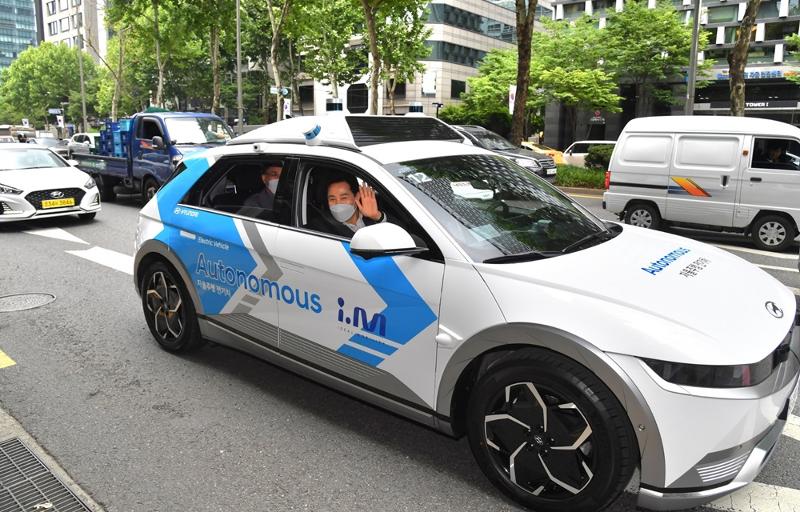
10	429
596	192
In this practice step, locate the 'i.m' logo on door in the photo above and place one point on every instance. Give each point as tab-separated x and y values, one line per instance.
359	319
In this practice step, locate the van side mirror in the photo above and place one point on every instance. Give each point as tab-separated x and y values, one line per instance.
158	142
384	239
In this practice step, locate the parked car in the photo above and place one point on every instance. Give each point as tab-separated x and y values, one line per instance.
83	143
57	146
469	299
539	163
731	174
37	183
576	153
556	155
6	139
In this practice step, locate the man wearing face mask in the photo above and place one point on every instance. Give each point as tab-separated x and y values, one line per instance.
265	198
351	206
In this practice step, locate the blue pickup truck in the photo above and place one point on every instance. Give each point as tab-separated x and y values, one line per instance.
138	154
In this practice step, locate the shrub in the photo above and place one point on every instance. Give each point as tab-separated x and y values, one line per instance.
599	157
571	176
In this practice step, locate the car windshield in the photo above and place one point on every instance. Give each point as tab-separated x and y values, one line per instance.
28	158
197	130
492	141
48	141
496	209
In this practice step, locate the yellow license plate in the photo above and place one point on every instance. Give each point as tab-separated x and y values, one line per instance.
58	203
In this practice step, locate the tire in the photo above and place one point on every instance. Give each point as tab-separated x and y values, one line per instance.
773	233
87	216
548	475
643	215
169	310
107	193
149	189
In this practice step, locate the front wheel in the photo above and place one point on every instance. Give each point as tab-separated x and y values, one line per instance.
169	310
549	434
773	233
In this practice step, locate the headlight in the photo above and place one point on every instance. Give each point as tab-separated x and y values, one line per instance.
734	376
90	183
5	189
528	162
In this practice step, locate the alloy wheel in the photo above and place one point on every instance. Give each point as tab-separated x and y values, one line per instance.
165	304
541	442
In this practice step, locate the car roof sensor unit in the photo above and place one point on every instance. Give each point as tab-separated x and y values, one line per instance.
369	130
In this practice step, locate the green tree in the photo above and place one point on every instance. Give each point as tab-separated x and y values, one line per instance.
647	47
525	15
579	89
44	77
323	30
401	38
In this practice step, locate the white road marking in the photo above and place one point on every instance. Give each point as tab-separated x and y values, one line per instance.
57	233
792	428
758	497
782	269
108	258
758	251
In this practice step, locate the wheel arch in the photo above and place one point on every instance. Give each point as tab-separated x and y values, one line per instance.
635	201
155	250
477	355
763	213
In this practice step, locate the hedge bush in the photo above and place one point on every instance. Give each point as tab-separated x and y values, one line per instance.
599	157
571	176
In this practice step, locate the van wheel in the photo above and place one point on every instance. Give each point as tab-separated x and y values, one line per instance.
169	310
773	233
549	434
643	215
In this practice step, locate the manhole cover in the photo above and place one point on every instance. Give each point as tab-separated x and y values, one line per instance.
23	301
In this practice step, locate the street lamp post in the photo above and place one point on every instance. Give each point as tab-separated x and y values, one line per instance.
239	106
688	108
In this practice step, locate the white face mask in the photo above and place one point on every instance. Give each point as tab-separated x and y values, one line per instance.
343	212
272	185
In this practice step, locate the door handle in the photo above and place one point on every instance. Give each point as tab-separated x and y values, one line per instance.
755	180
725	182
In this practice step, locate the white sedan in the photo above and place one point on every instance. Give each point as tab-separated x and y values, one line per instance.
35	183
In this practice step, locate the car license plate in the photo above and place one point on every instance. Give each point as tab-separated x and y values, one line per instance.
58	203
551	172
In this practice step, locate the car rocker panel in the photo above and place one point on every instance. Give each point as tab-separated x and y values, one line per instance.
404	332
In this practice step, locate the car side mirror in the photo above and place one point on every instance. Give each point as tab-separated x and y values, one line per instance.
158	142
384	239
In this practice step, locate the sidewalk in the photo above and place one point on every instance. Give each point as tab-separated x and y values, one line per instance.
10	432
593	192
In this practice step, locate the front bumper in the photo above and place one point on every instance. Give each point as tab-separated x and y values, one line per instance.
16	207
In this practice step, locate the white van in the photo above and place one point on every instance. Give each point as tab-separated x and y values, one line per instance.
737	174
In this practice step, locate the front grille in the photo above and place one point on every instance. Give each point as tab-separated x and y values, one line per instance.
36	198
547	163
26	484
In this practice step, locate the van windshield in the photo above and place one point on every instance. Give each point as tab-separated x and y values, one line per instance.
496	209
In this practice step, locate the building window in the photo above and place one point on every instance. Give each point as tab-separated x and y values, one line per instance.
76	3
77	20
63	24
51	7
455	17
543	12
63	5
794	7
457	87
52	28
761	55
720	55
573	11
731	33
457	54
399	89
778	31
77	42
723	14
768	10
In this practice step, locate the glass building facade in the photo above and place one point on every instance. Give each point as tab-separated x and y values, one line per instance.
17	29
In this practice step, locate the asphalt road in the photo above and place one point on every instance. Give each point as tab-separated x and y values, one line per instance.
142	430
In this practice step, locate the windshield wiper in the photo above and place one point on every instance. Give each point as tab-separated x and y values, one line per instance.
599	236
522	256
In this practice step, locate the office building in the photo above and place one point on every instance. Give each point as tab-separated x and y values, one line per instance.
76	23
17	29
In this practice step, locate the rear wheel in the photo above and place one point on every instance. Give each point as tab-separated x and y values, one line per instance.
773	233
550	435
643	215
169	310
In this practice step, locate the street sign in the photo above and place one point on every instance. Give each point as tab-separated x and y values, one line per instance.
273	90
60	121
287	108
26	123
55	111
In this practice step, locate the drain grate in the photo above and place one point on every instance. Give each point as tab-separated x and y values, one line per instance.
23	301
27	485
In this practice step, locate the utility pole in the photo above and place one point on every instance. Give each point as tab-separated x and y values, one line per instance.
688	108
79	22
239	106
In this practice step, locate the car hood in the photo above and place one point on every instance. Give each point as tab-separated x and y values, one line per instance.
650	294
44	178
523	153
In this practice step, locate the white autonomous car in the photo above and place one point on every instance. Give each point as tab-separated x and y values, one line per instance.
382	257
37	183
